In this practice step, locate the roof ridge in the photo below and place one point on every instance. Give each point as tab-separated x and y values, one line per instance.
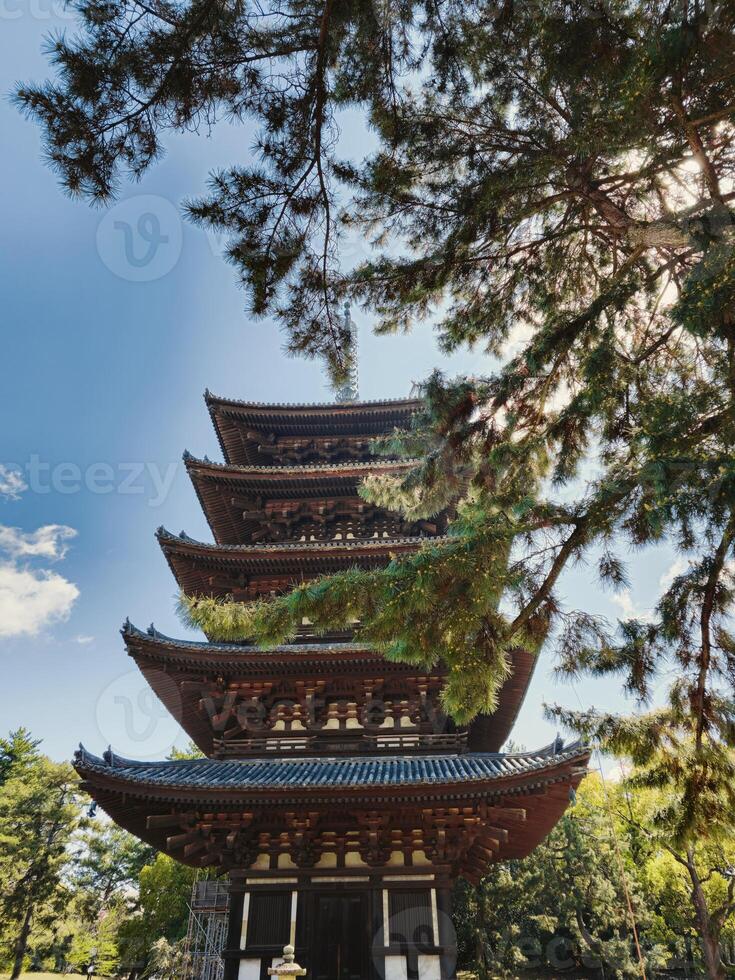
130	630
211	399
190	459
341	544
539	759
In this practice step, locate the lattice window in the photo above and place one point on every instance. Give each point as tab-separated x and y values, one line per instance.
410	919
269	917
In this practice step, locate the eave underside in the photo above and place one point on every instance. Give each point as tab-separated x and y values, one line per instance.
244	505
198	682
468	825
248	571
243	427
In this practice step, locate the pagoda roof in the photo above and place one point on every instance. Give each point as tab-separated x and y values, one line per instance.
164	653
243	779
215	484
214	812
194	562
240	423
153	643
261	476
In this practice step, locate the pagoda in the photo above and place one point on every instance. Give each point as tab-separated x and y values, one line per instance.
335	793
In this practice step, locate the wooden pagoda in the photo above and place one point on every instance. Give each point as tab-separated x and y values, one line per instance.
335	793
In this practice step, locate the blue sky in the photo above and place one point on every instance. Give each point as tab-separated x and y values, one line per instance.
105	358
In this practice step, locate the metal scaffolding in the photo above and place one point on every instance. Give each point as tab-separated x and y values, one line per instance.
207	931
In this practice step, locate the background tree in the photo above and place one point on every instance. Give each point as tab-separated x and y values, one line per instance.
109	863
39	814
694	882
565	906
162	911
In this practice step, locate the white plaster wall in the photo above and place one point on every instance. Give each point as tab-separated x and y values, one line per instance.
249	969
429	967
396	968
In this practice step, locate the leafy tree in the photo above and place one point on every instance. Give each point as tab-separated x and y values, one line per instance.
694	883
190	751
39	814
170	960
109	863
18	750
162	910
564	906
98	945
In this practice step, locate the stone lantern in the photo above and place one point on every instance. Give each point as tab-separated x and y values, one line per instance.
288	968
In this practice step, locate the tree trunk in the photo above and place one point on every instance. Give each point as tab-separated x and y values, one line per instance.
481	937
709	934
21	943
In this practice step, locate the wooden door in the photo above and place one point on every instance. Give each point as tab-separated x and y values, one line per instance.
339	949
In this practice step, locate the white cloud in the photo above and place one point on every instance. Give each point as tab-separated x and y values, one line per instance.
517	339
33	598
48	541
12	484
628	608
676	568
30	600
83	640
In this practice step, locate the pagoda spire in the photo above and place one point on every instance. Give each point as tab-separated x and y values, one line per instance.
349	391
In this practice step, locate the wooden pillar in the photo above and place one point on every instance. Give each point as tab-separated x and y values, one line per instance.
231	952
447	935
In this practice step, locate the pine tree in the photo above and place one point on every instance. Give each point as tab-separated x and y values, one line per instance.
39	814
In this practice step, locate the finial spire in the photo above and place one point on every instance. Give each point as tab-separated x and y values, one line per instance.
350	390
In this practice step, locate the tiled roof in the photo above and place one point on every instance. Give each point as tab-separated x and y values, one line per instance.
212	399
262	774
129	631
302	469
318	548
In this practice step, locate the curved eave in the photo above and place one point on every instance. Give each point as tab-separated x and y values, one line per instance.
220	570
166	664
236	660
284	781
236	422
141	796
157	656
218	487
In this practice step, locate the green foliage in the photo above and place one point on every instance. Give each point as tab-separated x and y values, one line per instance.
162	911
565	906
74	889
39	814
528	161
434	604
169	960
98	942
190	751
108	864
